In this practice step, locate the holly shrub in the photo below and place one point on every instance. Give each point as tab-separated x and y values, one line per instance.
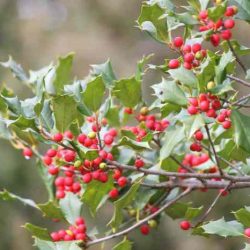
97	141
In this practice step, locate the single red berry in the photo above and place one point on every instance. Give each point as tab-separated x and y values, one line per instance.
103	177
187	65
53	170
204	106
189	57
173	64
178	42
211	113
117	174
226	124
59	181
68	237
81	236
145	229
203	14
247	232
186	49
81	138
198	135
61	233
216	104
76	187
221	118
51	152
226	34
79	221
192	110
185	225
128	111
215	40
60	194
47	160
68	181
229	24
27	153
195	147
122	181
108	139
193	101
114	193
139	163
196	47
69	156
58	137
230	11
68	134
55	236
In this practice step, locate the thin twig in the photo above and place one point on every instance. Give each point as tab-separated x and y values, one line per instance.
245	83
236	57
213	148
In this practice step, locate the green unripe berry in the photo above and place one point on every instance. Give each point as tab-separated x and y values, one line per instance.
144	111
132	212
102	165
210	85
92	135
77	164
152	223
198	55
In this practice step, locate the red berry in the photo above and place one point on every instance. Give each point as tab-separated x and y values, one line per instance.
27	153
216	104
55	236
203	14
178	42
204	106
117	174
247	232
226	34
193	101
187	65
122	181
103	177
110	157
47	160
173	64
53	170
192	110
230	11
58	137
226	124
108	139
68	237
76	187
215	40
79	221
81	138
51	152
145	229
185	225
114	193
229	24
198	135
68	134
59	181
139	163
69	156
186	49
195	147
211	113
189	57
221	118
60	194
223	192
196	47
128	111
81	236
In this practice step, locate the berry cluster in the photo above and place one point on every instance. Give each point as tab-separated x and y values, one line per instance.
74	232
220	29
211	106
192	55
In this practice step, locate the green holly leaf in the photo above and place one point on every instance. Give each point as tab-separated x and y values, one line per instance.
51	210
216	12
16	69
193	212
39	232
96	194
169	91
71	207
243	216
184	76
61	107
193	123
127	142
123	245
224	228
151	21
7	196
93	95
59	75
123	202
128	91
106	71
241	133
177	210
173	136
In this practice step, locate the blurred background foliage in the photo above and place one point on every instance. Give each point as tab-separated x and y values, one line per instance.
36	32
